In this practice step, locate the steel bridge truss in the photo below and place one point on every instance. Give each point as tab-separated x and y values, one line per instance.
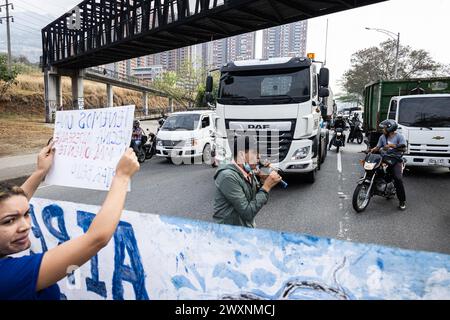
98	32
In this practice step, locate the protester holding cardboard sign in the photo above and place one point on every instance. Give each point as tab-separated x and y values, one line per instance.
34	277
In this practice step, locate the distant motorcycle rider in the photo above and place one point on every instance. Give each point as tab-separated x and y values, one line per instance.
354	124
137	135
339	122
394	143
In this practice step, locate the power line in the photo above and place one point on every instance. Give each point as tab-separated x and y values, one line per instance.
39	19
32	5
27	24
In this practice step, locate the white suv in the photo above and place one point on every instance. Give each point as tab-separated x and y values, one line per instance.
187	135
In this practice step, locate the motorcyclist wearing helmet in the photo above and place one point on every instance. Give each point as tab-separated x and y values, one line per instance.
354	124
338	123
136	136
393	142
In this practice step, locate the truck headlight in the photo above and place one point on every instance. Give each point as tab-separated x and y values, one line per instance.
190	143
159	143
301	153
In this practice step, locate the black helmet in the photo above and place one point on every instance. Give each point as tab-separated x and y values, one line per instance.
389	125
136	123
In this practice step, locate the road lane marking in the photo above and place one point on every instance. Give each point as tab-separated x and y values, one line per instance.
339	162
341	230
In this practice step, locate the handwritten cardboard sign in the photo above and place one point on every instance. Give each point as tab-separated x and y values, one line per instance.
89	144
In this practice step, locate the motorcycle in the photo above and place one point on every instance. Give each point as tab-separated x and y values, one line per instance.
146	149
338	140
150	145
356	132
378	179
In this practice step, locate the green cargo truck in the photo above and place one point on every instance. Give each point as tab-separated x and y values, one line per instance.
378	95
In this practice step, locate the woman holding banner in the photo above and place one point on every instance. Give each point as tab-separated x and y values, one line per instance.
35	277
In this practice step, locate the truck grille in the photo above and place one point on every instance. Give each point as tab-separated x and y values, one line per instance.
170	144
430	150
272	145
429	154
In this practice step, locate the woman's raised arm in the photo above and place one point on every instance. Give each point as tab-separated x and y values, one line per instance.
62	259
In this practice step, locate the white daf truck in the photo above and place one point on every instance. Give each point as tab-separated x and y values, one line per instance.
424	121
277	101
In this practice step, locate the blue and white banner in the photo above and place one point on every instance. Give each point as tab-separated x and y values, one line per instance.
158	257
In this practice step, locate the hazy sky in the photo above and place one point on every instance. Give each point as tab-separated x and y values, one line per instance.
422	25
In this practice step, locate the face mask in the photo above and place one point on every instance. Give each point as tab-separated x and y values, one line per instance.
247	168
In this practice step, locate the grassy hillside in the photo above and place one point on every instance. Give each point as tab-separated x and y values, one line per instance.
27	96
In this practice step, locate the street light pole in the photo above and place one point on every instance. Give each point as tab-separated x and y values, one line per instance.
396	56
396	37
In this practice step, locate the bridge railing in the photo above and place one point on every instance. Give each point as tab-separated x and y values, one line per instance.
63	39
120	76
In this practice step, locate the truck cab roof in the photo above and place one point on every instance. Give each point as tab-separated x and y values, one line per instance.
267	64
418	96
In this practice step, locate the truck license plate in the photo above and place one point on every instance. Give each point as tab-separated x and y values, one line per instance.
437	162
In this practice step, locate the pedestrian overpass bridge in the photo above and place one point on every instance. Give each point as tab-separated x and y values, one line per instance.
98	32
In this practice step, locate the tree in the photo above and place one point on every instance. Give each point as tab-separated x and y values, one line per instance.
6	78
167	83
21	59
183	85
378	63
191	79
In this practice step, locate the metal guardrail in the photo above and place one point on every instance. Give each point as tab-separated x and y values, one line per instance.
119	76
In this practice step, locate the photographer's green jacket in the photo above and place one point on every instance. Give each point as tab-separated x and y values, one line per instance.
237	201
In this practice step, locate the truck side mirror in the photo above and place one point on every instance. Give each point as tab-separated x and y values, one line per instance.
324	77
209	97
324	92
209	84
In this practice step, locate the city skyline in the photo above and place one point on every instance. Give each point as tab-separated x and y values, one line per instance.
282	41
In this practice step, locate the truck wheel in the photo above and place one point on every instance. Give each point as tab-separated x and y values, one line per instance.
310	177
323	151
177	161
207	154
319	156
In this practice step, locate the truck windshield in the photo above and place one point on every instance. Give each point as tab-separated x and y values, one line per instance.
185	122
265	87
425	112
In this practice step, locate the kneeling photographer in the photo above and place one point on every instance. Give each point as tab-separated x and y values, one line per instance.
239	193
